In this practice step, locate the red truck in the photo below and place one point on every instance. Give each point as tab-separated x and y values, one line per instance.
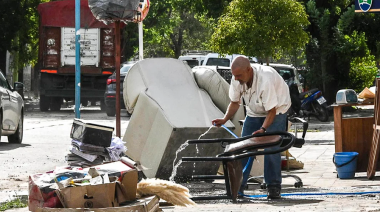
56	56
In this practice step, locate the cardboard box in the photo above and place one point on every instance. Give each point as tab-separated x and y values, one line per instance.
147	204
43	195
102	195
129	181
91	196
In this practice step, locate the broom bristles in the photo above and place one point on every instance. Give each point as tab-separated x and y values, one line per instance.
166	190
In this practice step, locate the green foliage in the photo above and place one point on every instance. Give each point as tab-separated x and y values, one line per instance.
130	44
19	32
326	57
341	48
262	29
172	26
16	203
362	68
362	73
368	23
211	8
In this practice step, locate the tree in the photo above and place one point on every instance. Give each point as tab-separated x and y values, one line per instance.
11	20
19	32
265	30
338	55
176	25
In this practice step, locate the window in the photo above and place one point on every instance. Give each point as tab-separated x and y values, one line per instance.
125	68
218	62
285	73
192	63
3	82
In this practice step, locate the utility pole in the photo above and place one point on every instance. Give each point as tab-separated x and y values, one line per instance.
77	59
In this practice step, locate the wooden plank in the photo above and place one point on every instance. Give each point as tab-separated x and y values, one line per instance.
374	151
374	155
338	128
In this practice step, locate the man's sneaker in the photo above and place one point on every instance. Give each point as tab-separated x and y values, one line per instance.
274	193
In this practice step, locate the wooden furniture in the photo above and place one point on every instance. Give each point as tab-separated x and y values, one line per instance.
354	134
375	148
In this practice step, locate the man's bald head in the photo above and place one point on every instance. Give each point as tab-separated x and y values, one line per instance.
240	62
242	70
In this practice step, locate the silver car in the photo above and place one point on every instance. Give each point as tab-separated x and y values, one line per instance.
11	110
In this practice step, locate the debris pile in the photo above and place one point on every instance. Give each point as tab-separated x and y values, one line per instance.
99	176
93	144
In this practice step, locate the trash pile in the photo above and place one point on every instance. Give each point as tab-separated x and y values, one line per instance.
99	176
112	184
93	144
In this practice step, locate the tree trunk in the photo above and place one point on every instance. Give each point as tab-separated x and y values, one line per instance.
3	61
323	69
177	43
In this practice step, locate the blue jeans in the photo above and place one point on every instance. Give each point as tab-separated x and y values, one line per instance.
272	163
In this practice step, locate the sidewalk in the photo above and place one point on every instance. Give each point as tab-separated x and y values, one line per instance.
319	176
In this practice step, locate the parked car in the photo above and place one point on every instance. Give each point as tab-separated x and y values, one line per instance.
194	57
215	59
290	74
11	110
192	60
110	93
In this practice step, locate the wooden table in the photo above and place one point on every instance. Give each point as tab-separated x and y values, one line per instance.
354	134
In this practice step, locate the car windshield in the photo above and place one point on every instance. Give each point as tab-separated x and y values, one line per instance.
285	73
125	68
218	62
192	63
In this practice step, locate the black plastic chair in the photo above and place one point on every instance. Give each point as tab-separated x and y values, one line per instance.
236	149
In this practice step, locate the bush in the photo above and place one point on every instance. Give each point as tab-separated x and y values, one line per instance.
362	72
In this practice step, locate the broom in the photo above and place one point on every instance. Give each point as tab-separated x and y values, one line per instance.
166	190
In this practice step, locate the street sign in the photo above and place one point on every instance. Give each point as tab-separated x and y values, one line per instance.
370	6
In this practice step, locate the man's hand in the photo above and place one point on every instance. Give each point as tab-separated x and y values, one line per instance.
231	110
258	131
218	122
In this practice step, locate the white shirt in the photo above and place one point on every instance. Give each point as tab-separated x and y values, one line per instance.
268	91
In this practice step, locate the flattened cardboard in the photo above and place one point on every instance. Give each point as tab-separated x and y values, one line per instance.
112	169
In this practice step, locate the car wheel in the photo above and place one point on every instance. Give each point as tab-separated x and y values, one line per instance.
102	105
84	103
44	103
110	111
56	103
17	137
321	112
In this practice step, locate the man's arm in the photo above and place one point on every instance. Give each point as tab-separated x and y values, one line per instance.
231	110
268	120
